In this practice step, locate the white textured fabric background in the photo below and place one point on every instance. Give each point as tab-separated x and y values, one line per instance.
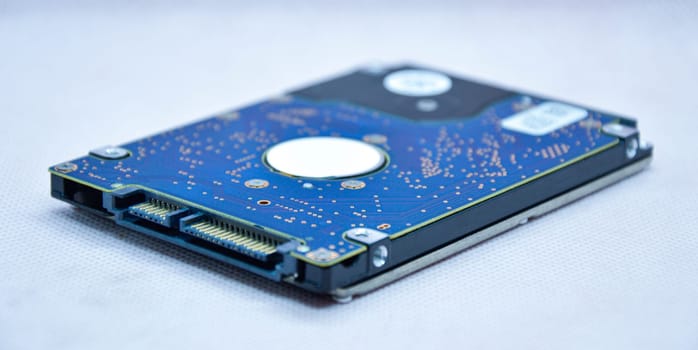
616	270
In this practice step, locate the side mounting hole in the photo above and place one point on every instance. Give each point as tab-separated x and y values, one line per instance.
380	256
631	148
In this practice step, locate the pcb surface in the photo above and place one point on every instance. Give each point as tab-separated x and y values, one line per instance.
434	168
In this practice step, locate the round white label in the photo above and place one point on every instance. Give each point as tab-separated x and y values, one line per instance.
324	157
417	82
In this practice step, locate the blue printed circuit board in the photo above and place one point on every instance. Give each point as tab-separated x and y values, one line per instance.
432	171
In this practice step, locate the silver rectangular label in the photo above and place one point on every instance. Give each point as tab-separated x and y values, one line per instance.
544	118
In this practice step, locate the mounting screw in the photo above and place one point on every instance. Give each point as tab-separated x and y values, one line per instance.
110	152
353	184
66	167
256	183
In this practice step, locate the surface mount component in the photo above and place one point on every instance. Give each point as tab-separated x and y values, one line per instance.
348	184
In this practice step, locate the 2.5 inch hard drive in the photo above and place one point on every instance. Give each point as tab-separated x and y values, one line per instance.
351	183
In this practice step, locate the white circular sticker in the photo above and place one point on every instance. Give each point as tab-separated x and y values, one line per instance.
324	157
417	82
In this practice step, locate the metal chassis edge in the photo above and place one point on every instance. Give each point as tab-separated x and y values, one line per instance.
346	294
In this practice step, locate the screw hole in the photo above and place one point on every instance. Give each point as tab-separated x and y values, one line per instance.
380	256
631	148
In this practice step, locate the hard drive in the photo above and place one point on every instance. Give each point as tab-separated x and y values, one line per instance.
346	185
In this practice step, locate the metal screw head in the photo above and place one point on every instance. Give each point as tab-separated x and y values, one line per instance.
365	235
380	256
110	152
66	167
353	184
256	183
